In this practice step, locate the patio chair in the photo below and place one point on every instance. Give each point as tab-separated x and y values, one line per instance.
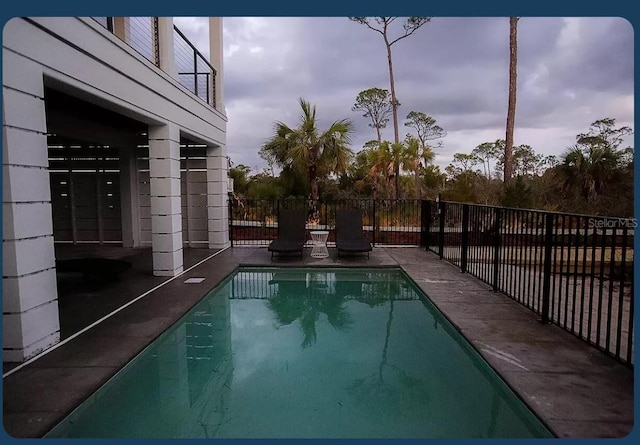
291	232
349	233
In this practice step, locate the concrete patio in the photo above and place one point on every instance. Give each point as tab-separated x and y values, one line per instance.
577	391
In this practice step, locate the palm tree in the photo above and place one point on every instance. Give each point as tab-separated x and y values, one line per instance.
397	154
589	170
309	151
416	158
380	166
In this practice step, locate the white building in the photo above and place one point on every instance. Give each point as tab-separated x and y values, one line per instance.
98	116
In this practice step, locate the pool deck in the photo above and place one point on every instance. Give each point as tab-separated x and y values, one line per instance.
577	391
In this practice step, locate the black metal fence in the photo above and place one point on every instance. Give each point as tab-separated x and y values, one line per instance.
385	221
575	271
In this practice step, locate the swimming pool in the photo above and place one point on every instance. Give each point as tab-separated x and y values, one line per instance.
307	353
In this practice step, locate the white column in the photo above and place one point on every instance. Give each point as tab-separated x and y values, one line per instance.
215	58
166	222
29	295
217	197
165	46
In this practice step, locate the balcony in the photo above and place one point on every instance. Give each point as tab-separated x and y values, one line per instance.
194	72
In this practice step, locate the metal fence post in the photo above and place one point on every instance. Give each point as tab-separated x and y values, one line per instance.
546	278
278	217
373	240
423	223
326	217
496	249
465	238
425	216
441	212
231	218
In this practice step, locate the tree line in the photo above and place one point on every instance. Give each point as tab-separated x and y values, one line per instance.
593	176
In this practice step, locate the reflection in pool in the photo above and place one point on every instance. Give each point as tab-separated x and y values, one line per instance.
304	353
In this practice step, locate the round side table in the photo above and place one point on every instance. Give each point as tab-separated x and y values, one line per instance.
319	238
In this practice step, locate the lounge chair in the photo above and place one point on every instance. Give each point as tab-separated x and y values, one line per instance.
349	233
291	232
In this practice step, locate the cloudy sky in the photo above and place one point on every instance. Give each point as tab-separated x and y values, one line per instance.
571	72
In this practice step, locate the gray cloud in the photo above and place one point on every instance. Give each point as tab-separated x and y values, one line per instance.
571	72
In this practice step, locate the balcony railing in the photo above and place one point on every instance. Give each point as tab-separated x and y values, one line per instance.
194	72
143	37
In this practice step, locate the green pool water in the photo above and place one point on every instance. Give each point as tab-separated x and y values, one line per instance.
307	353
